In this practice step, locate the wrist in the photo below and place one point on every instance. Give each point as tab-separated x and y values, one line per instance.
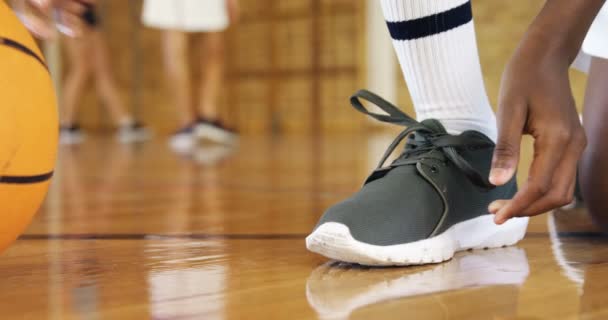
558	46
539	47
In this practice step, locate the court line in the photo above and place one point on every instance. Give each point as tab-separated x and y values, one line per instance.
148	236
239	236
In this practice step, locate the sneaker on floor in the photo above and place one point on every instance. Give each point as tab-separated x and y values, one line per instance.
215	131
183	140
70	135
427	204
132	133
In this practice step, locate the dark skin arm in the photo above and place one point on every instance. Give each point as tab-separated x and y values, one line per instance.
536	99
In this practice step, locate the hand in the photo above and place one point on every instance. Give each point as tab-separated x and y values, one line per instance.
536	99
41	16
234	10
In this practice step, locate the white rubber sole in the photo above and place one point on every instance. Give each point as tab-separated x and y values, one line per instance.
182	143
215	134
333	240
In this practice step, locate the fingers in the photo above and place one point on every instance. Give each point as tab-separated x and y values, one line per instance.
562	189
511	121
552	176
497	205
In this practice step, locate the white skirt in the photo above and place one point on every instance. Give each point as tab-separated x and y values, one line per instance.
596	42
186	15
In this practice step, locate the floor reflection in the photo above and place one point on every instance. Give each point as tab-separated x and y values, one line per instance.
335	290
581	251
83	284
186	279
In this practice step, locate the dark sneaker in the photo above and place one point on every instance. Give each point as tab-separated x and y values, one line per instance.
71	134
215	131
427	204
135	132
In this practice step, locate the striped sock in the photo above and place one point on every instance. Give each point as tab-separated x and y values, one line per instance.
435	44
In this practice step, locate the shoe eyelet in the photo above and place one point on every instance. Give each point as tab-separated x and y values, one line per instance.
434	169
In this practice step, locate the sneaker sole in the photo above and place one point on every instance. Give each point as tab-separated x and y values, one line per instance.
215	135
334	241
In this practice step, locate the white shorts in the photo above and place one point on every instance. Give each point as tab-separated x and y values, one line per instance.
596	42
186	15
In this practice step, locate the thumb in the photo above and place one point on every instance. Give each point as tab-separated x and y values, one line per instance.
506	153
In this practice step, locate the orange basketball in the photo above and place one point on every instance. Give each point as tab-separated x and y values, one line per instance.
28	127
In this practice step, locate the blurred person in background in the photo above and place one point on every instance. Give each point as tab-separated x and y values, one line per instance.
205	22
88	57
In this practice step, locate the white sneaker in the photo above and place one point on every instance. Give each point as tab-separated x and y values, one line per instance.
69	135
133	133
183	141
215	131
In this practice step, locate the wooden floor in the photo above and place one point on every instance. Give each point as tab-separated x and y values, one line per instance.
140	233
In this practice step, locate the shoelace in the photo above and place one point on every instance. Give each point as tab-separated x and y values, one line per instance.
432	140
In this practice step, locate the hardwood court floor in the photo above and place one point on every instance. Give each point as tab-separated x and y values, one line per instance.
140	233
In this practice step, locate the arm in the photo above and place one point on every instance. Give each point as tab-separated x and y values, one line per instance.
536	99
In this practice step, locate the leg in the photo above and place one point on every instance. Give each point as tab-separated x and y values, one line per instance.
106	86
76	78
212	63
593	170
436	47
175	52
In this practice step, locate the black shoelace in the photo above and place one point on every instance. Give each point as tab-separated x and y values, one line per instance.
430	139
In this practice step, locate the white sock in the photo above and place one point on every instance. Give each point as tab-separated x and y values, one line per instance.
435	43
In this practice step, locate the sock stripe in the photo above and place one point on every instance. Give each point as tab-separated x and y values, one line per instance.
431	25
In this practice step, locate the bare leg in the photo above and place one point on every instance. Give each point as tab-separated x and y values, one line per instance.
594	163
212	64
175	52
76	77
106	86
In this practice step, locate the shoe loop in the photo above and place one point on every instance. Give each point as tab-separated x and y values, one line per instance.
432	140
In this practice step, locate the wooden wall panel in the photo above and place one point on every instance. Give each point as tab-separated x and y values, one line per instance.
291	65
294	113
279	57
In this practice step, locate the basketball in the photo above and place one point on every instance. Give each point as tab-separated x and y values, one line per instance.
28	128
